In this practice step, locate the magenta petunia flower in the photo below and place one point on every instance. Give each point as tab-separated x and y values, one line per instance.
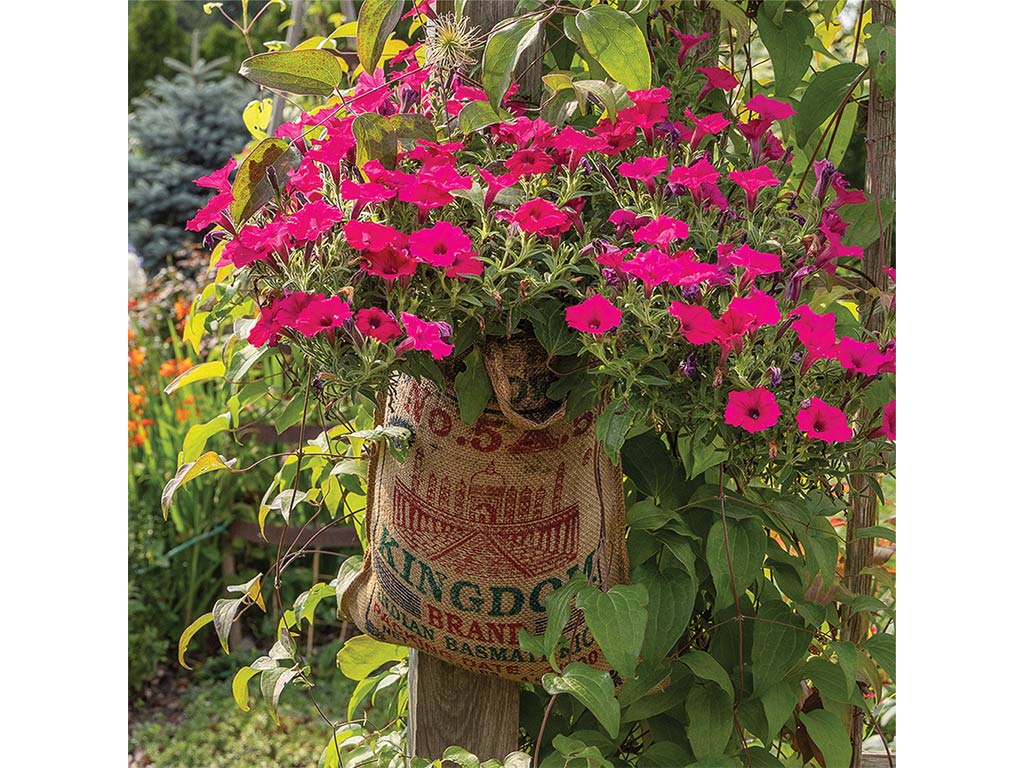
888	428
616	137
494	185
686	42
576	145
370	236
425	196
377	324
312	220
363	194
595	315
389	263
695	322
626	221
816	332
709	125
291	306
538	216
770	109
821	421
440	244
861	357
523	131
644	168
466	264
425	336
763	308
754	410
649	108
651	267
754	180
528	162
662	231
693	176
717	77
322	313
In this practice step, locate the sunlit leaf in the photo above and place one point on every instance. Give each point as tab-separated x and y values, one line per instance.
188	634
214	369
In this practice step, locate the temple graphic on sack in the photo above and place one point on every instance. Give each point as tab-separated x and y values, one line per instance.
531	525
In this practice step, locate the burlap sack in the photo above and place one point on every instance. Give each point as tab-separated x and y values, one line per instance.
468	536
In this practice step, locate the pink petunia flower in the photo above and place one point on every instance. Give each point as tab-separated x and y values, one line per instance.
649	108
425	196
594	315
616	137
762	307
425	336
371	236
888	428
466	264
644	169
389	263
717	78
754	410
754	180
539	216
753	263
861	357
440	244
816	332
321	314
821	421
686	42
695	322
529	162
662	231
626	221
312	220
770	109
575	144
709	125
364	194
377	324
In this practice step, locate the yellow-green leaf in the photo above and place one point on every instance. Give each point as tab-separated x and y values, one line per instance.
240	687
377	20
256	117
251	188
210	461
617	44
214	369
311	72
361	655
188	634
198	434
505	45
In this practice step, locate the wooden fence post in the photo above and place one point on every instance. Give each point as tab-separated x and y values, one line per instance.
880	182
450	706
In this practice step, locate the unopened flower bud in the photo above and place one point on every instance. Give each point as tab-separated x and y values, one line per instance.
689	367
587	166
774	376
611	277
212	238
797	356
272	178
692	294
805	403
824	170
716	380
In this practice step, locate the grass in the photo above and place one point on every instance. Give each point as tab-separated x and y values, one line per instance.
207	729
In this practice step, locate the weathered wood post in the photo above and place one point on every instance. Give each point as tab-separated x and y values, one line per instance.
880	182
448	705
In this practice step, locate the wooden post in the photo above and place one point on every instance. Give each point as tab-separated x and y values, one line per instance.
881	182
450	706
453	706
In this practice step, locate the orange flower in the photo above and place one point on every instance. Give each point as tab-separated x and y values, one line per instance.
182	414
135	359
172	368
181	308
136	400
131	334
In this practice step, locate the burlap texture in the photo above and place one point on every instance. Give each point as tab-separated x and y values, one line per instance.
468	536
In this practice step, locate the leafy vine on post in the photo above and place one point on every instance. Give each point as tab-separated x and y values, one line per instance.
499	307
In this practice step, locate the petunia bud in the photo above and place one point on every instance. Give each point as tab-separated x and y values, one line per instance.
805	403
692	294
689	367
824	170
611	277
797	356
587	166
716	380
774	376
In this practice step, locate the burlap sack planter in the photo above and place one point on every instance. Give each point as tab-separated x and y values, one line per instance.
467	537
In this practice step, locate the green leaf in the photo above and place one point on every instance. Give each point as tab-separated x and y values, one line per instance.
240	687
477	115
846	656
362	655
704	666
881	47
617	619
780	642
378	137
784	40
558	607
699	458
306	603
473	387
747	545
208	462
505	44
709	716
823	96
762	758
670	604
593	689
876	532
778	702
224	613
649	464
601	91
548	321
863	221
348	572
617	44
213	369
285	502
828	733
461	757
664	754
272	684
828	678
189	633
882	648
735	17
309	72
198	434
242	359
612	426
252	188
377	20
